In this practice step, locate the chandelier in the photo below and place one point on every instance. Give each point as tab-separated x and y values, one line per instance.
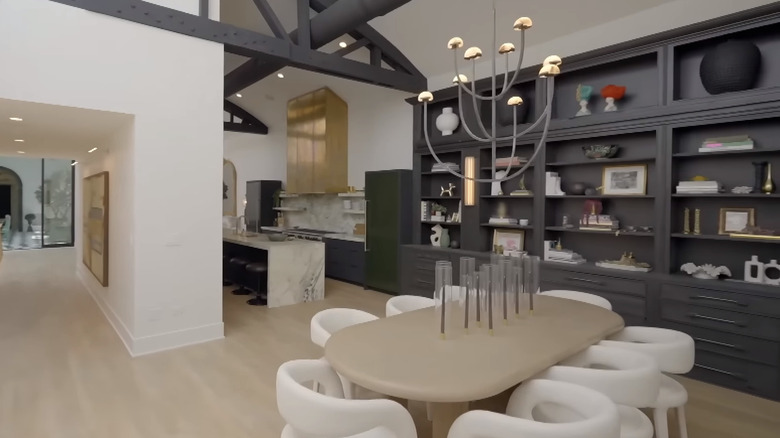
550	68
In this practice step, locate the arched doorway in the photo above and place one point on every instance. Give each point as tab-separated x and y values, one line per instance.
11	183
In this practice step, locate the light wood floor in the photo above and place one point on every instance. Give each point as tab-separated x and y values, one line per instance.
64	373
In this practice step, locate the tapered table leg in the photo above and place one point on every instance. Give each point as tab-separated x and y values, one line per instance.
444	414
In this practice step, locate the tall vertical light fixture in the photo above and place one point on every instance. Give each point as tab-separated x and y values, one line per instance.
550	69
470	172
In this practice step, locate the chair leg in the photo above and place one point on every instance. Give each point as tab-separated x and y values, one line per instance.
661	423
316	387
681	420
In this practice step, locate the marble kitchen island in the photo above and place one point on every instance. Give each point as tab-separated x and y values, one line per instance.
296	268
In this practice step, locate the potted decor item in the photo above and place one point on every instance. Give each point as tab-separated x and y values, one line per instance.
733	65
611	93
600	151
448	121
583	96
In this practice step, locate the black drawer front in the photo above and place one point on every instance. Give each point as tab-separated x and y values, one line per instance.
718	319
578	281
729	344
761	380
627	306
721	299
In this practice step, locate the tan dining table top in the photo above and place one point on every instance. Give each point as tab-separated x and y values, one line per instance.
403	356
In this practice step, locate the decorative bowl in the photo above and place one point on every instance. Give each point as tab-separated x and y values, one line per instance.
600	151
577	188
277	237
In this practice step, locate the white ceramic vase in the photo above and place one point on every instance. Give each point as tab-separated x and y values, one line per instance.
447	122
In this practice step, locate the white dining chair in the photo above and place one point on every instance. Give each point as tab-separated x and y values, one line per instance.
406	303
579	296
326	322
309	413
674	351
597	415
630	379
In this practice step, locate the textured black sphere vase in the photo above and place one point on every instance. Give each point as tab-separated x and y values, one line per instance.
733	65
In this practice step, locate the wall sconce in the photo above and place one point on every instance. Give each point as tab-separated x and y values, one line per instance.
470	172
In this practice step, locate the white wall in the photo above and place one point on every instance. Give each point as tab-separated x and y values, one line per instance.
172	84
666	16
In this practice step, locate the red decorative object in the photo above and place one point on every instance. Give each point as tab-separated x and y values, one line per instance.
592	207
614	91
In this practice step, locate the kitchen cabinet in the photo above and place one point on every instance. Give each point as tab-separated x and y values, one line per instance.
259	210
344	260
317	131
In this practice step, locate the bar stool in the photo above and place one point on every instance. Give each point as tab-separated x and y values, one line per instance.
238	275
226	270
257	279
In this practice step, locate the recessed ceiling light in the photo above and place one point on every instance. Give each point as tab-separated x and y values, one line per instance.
280	75
238	95
19	140
20	152
91	150
343	44
15	119
74	163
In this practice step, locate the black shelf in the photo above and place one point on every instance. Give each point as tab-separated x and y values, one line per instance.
514	168
724	237
711	154
601	197
449	224
725	195
439	198
511	227
601	162
507	197
608	233
439	173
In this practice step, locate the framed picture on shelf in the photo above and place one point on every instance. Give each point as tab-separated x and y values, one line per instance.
735	220
625	180
511	240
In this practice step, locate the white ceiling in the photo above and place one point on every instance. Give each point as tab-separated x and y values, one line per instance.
421	28
51	131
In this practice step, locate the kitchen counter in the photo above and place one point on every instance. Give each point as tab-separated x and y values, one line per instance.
296	268
344	236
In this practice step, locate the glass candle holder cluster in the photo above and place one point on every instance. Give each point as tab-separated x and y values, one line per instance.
495	294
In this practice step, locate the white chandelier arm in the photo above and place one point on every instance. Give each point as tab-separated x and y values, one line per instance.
519	64
547	114
461	85
465	125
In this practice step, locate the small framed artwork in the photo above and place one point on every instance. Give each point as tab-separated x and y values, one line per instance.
628	180
510	240
735	220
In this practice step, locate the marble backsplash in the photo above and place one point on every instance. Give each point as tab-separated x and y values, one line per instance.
323	212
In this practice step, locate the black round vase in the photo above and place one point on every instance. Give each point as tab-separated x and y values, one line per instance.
730	66
504	112
577	188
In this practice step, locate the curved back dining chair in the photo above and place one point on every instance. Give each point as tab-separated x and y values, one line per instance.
326	322
675	353
630	379
579	296
598	416
406	303
309	413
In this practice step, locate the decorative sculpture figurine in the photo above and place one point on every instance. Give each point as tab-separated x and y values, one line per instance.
523	190
687	221
611	93
447	122
758	167
627	262
769	186
583	96
440	236
495	188
754	270
448	191
705	272
697	221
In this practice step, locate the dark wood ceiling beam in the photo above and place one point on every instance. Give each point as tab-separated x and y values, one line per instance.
303	38
273	21
359	44
249	123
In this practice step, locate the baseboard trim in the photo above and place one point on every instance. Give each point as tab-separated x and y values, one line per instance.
119	326
155	343
179	338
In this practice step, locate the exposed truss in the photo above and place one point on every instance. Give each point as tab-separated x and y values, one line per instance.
247	124
271	49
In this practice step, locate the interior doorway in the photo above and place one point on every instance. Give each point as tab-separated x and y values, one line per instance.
5	200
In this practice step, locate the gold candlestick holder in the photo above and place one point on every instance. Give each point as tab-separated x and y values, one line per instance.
697	222
687	221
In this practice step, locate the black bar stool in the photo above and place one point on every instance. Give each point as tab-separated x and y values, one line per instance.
257	279
238	275
226	270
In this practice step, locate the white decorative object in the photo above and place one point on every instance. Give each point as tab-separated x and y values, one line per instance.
742	190
705	272
749	265
584	111
448	190
447	122
490	134
347	204
610	105
553	184
771	265
436	236
495	188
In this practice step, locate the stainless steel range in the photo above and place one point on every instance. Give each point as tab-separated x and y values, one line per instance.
307	233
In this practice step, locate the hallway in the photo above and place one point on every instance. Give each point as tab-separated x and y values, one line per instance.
64	372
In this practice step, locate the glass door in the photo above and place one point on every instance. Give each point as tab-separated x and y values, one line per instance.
56	197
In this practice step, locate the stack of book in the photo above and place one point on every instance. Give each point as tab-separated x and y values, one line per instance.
425	210
502	221
511	161
600	222
563	256
698	187
737	143
444	166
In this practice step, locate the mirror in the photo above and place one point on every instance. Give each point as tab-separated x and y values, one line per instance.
229	201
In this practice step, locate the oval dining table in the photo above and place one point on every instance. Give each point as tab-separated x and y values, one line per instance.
404	356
